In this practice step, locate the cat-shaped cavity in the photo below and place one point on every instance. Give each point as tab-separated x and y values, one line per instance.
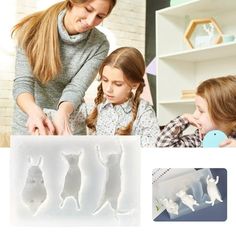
72	180
187	199
171	206
112	188
34	192
212	190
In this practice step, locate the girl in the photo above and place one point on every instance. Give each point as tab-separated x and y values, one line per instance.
215	109
59	53
118	108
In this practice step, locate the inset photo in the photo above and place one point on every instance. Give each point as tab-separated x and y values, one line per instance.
189	194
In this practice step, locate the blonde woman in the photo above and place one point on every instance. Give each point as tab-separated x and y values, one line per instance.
215	109
59	53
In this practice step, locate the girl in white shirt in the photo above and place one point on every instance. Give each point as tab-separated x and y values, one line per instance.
118	108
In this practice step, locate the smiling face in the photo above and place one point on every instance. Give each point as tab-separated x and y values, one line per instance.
114	85
83	17
202	115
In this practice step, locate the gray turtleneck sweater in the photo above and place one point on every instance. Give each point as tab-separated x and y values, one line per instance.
81	56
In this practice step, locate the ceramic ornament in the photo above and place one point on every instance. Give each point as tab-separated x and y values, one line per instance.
187	199
72	180
212	190
34	192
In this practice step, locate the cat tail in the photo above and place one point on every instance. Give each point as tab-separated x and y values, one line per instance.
62	203
101	204
210	202
126	212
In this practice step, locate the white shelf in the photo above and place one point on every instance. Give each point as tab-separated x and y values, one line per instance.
181	68
180	101
204	54
199	6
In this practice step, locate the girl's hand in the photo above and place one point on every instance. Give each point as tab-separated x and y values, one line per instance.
38	123
190	118
228	143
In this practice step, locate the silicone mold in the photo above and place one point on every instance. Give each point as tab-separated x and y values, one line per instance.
112	188
72	179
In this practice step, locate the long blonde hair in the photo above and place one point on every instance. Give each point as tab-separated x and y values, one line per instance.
37	34
130	61
220	95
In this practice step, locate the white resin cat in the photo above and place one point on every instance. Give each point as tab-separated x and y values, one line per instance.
212	190
171	206
187	199
34	192
72	180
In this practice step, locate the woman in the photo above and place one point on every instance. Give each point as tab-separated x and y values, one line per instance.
59	53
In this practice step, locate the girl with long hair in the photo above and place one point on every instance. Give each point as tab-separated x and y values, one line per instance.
118	108
215	109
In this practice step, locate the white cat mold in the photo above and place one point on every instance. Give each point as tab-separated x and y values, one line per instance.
72	181
34	192
112	186
212	190
187	199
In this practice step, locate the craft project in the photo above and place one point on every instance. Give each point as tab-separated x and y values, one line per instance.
212	190
72	180
187	199
112	188
34	192
171	206
214	138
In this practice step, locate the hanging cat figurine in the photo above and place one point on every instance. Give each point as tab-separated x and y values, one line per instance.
187	199
212	190
112	188
171	206
72	180
34	192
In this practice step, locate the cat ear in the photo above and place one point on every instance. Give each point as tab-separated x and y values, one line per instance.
40	162
63	154
30	160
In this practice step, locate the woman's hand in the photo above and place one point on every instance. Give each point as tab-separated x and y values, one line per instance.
61	119
38	123
228	143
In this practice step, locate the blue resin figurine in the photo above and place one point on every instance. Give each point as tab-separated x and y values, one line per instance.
214	138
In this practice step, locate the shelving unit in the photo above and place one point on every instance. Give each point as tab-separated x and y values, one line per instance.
180	67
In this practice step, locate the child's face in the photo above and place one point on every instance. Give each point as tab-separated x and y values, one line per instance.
115	89
202	115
